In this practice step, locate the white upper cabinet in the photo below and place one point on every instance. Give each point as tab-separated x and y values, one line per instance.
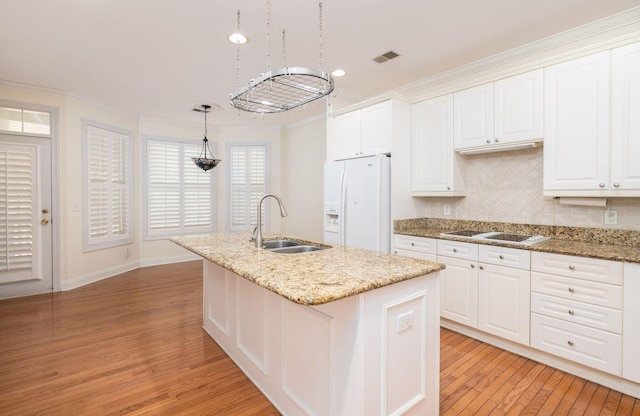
364	132
518	106
501	115
473	117
592	132
576	150
625	118
435	169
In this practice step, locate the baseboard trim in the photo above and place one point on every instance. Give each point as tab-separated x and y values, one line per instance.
114	271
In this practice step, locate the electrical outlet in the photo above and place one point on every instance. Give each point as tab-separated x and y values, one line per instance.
611	217
447	209
404	322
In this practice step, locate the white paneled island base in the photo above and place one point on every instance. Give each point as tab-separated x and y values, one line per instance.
373	353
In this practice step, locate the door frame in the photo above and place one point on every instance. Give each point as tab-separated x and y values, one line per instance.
55	182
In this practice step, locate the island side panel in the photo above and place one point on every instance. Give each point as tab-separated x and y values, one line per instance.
322	359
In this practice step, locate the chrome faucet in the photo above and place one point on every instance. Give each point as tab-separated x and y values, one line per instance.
258	229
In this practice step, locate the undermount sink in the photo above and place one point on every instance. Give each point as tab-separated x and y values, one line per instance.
281	243
296	249
288	246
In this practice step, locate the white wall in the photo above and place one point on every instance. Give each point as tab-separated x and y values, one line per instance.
303	170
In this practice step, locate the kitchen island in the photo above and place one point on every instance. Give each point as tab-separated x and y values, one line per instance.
340	331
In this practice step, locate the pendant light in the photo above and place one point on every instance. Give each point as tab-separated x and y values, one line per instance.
203	162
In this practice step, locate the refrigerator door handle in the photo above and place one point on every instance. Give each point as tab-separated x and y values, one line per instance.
343	197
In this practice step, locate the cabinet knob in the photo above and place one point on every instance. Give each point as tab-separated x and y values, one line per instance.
488	141
571	290
395	251
601	185
571	312
448	188
473	266
572	267
570	343
496	140
455	250
481	268
413	244
501	257
616	185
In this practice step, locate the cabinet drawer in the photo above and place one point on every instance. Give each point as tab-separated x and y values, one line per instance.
503	256
597	270
594	316
458	249
594	293
597	349
414	254
409	242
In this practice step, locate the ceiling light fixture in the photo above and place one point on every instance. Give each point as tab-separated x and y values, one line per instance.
339	73
238	38
203	162
281	89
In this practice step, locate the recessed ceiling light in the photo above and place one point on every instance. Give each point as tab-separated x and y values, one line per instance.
238	38
338	73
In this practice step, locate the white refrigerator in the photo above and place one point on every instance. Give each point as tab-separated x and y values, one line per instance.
357	203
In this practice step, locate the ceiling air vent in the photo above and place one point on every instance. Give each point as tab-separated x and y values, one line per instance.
385	57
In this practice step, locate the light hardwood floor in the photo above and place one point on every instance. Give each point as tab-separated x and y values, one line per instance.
134	344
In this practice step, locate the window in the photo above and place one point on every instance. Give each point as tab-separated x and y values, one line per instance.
18	120
248	173
179	196
107	186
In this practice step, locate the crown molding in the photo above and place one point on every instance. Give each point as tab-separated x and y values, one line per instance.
543	52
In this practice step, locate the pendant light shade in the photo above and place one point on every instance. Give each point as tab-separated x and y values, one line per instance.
203	162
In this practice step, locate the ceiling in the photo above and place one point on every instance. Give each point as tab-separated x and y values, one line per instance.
155	58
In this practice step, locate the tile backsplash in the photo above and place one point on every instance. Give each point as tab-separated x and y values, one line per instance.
507	187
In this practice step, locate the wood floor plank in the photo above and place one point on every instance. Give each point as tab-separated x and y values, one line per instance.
134	344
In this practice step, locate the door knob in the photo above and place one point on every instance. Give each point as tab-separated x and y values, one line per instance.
44	221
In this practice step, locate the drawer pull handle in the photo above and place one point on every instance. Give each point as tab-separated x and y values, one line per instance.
455	250
571	312
572	267
501	257
571	290
570	343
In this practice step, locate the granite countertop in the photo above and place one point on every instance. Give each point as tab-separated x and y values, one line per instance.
608	244
311	278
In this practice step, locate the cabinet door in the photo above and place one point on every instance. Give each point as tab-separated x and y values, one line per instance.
473	117
503	302
631	323
376	132
459	289
576	124
434	166
347	135
518	107
625	123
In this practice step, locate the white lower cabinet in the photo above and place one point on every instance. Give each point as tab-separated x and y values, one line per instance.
486	287
631	325
416	247
459	288
503	302
576	309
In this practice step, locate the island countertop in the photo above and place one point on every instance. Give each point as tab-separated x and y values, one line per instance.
311	278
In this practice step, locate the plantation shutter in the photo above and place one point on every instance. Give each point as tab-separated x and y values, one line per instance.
18	198
108	188
180	195
248	169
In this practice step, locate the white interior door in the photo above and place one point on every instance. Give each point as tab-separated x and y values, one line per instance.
25	216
